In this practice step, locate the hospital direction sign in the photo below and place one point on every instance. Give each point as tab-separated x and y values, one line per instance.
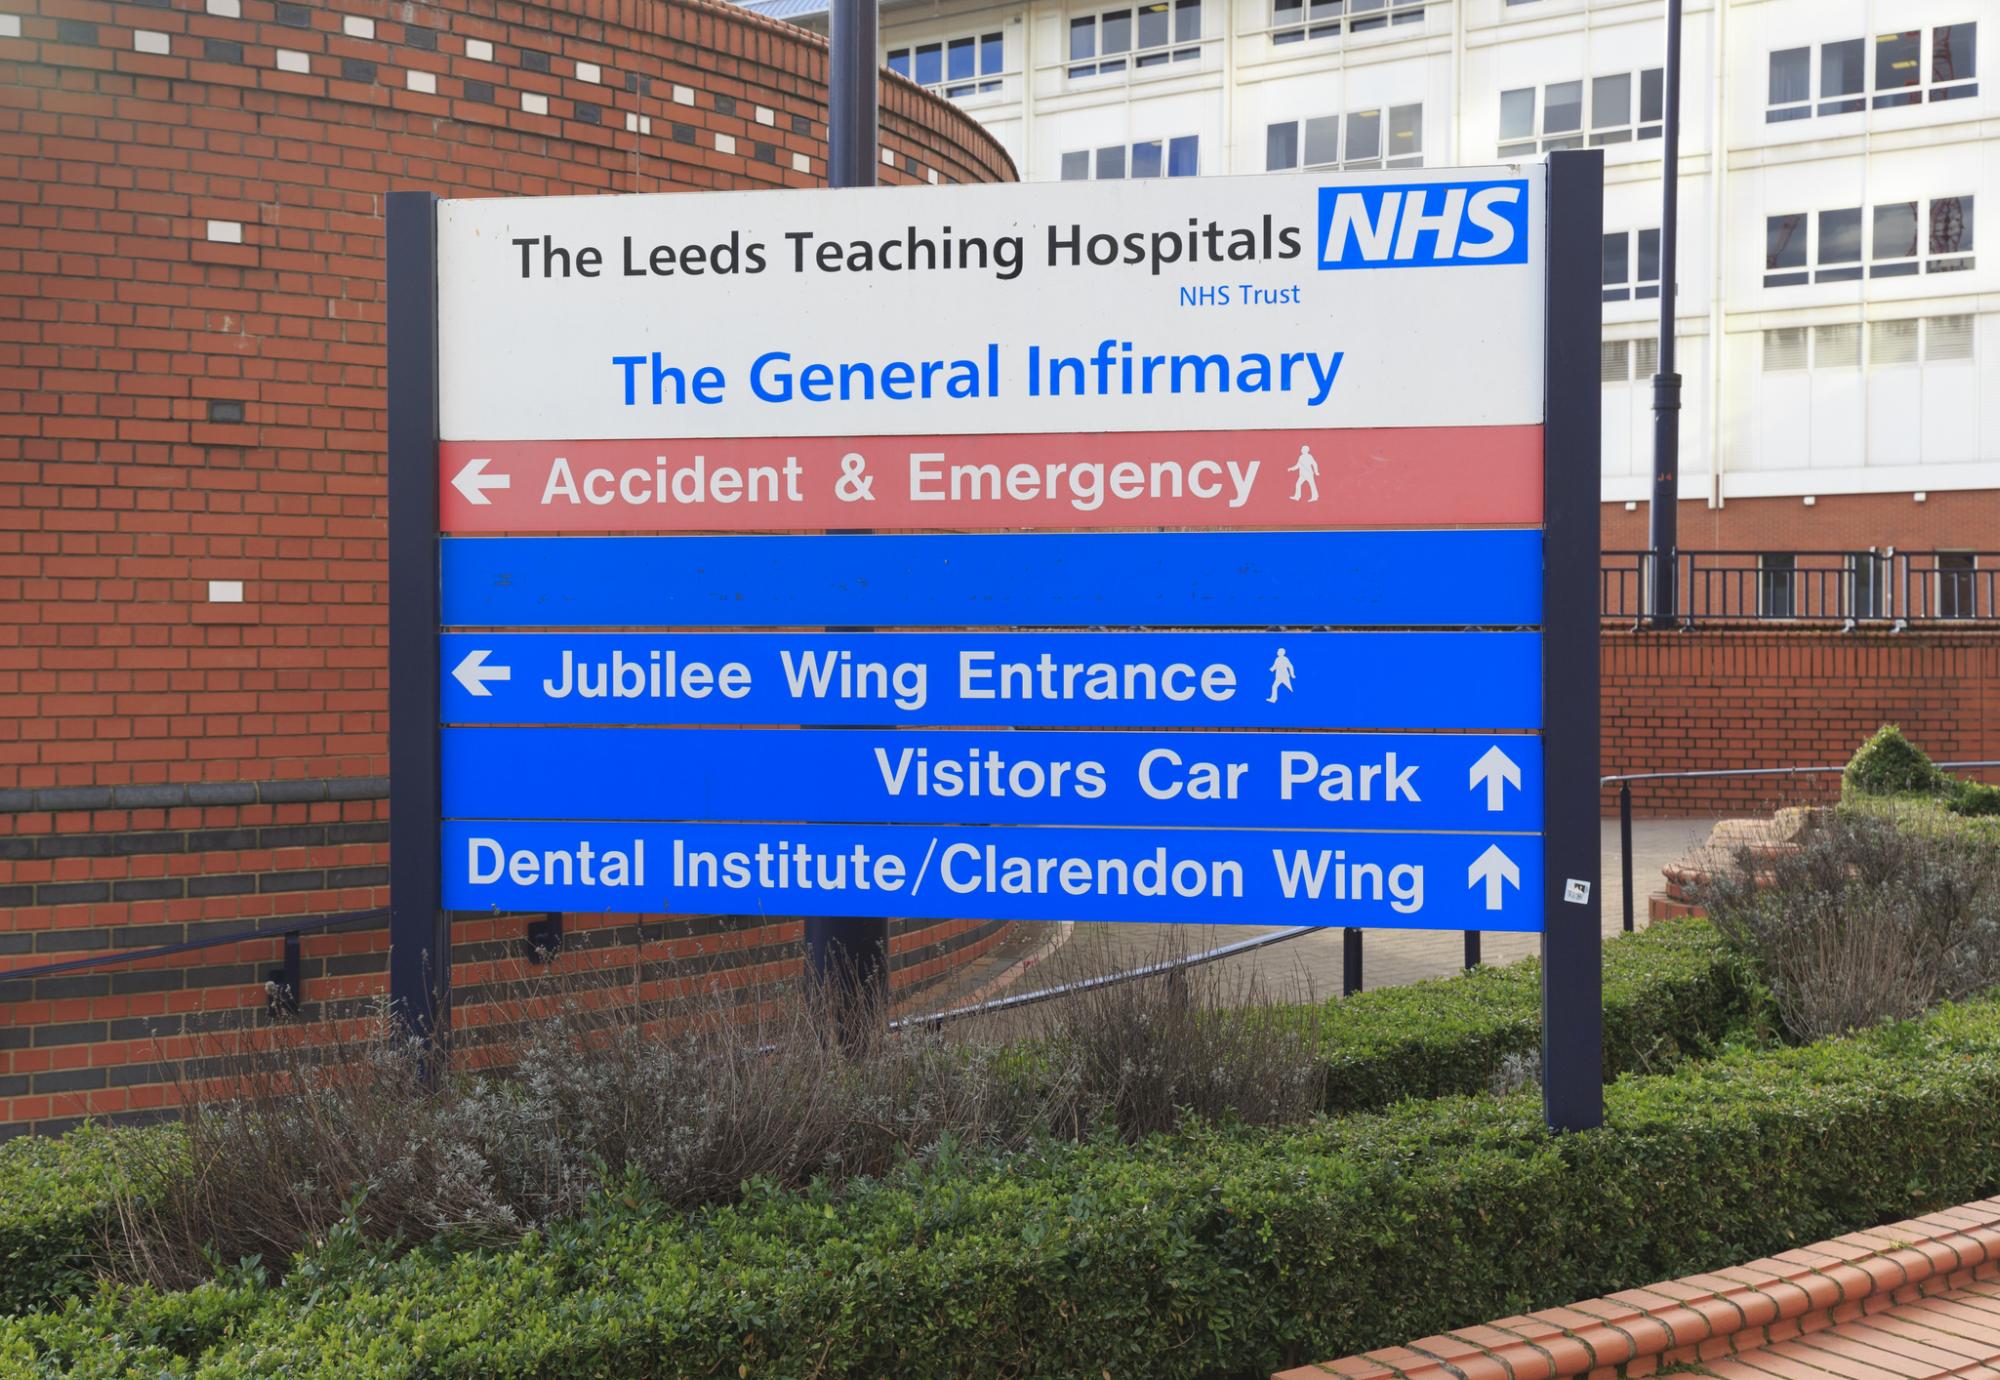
1201	533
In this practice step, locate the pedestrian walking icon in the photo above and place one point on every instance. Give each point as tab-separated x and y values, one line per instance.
1307	469
1281	676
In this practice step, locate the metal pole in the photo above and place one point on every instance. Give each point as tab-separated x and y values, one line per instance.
1664	515
847	957
1471	949
419	933
1350	962
1625	845
1572	488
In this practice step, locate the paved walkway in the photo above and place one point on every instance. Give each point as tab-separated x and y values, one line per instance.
1310	965
1916	1300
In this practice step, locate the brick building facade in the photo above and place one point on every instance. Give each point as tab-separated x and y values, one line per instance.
193	659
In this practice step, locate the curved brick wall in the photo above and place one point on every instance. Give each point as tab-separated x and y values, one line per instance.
191	390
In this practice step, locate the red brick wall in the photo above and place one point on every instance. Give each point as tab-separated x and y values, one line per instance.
1725	699
178	407
1966	520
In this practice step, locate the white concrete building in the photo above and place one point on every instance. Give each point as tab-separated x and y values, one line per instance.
1839	329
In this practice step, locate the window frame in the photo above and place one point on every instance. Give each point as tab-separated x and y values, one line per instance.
1317	20
1134	58
1633	286
1870	92
1928	257
980	83
1169	146
1385	124
1637	128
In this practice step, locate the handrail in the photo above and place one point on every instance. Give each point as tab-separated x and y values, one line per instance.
310	925
1752	771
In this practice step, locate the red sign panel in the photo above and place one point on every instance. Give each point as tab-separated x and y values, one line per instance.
1386	477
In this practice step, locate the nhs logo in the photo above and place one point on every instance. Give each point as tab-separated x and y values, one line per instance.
1423	225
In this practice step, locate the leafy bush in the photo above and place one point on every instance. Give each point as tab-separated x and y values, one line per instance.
1672	990
1890	764
1868	919
1206	1253
56	1200
1975	799
495	1156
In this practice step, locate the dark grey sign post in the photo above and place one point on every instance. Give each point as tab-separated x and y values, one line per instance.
1572	938
419	933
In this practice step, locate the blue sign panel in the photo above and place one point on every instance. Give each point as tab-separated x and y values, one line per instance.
1423	224
1469	578
1216	877
1031	680
890	776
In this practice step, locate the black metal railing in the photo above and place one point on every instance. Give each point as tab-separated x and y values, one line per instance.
1887	590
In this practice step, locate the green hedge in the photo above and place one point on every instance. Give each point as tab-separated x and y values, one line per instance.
1669	991
54	1197
1198	1254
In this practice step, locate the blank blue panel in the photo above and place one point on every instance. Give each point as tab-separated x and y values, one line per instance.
1030	579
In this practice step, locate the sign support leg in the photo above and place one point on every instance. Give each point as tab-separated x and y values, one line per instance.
1572	941
419	934
847	958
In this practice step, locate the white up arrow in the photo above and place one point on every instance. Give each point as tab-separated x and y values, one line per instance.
1492	867
473	672
1498	771
473	481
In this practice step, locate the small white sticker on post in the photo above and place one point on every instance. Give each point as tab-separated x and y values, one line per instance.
225	591
1577	893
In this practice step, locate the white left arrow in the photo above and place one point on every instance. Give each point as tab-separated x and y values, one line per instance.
1493	867
473	481
1497	770
473	672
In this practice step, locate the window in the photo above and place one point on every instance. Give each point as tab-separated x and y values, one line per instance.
1777	577
1178	157
1614	361
1785	350
1155	35
1956	590
1947	338
1836	347
1903	66
1316	142
1295	21
1953	48
1623	106
1867	585
1893	248
954	67
1831	347
1951	235
1897	80
1839	246
1785	251
1629	361
1612	113
1631	265
1892	342
1790	96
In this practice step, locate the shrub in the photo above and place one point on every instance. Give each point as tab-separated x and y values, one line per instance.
56	1200
1206	1253
488	1158
1671	990
1869	919
1975	799
1890	764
